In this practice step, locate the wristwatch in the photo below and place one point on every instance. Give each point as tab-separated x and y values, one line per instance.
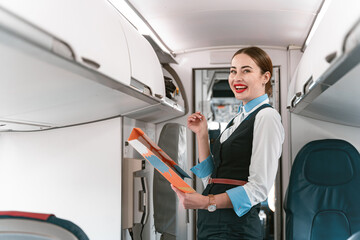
212	204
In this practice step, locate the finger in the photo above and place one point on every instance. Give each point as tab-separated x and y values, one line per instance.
197	117
196	114
200	116
174	188
178	192
193	119
192	116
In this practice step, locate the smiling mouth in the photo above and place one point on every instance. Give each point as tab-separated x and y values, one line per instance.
239	88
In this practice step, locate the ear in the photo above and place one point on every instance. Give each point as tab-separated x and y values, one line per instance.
267	76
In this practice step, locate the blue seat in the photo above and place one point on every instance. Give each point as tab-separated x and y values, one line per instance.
36	226
323	196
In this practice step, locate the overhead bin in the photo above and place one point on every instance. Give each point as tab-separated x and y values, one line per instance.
90	27
145	66
325	47
63	66
334	97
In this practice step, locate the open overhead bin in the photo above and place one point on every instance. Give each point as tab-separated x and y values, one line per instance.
333	97
66	63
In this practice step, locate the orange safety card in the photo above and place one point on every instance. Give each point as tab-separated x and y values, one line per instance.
159	159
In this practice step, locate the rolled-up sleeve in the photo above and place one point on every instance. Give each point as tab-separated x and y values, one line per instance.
240	200
267	147
204	169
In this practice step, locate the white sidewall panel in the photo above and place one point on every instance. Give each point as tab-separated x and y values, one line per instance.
73	172
304	130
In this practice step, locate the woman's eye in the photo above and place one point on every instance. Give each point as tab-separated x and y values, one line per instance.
233	71
246	70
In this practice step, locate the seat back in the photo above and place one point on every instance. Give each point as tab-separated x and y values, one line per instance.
323	197
169	219
34	226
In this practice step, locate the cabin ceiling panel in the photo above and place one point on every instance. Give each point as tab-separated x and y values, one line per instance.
188	24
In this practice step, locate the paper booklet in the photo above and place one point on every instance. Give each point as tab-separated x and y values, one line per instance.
159	159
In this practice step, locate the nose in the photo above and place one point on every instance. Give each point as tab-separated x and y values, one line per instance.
238	76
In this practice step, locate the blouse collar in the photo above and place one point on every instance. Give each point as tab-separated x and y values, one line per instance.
253	103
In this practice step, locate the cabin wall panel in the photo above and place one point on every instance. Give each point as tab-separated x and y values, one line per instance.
294	59
72	172
129	152
304	130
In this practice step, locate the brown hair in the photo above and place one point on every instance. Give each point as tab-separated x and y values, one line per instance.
262	59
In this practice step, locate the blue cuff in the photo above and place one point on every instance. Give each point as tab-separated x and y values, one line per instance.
205	168
240	200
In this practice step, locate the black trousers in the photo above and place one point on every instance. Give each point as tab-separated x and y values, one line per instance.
224	224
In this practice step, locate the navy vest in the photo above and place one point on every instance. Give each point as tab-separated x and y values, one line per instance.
232	157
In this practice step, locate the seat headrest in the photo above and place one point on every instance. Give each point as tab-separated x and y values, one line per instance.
336	167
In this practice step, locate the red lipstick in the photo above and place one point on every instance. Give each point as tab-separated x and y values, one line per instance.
239	88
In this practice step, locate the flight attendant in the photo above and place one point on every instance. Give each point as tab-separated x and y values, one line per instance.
241	170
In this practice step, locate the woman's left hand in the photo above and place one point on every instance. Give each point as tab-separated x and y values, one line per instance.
191	200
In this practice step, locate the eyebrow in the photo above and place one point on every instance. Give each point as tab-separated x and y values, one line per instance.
242	67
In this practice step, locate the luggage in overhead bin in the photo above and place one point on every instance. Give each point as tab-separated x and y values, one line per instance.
169	219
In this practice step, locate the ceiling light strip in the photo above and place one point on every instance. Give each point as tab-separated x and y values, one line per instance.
319	16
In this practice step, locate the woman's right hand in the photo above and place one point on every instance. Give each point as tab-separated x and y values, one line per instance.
197	123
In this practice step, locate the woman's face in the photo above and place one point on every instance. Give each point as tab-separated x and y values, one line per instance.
245	78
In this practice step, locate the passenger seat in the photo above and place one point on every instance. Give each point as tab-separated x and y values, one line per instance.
37	226
322	200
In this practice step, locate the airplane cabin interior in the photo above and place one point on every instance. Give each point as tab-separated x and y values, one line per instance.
79	76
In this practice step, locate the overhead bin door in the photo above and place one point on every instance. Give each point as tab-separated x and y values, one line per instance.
326	45
327	42
145	65
92	28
